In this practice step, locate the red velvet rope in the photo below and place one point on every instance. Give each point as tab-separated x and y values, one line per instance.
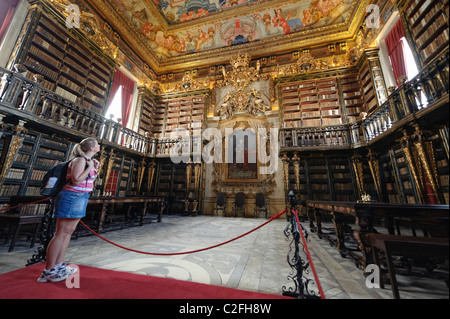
18	206
187	252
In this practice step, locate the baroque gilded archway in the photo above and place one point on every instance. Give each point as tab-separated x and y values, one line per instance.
248	130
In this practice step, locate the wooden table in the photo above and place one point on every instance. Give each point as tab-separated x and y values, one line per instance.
17	220
433	218
106	202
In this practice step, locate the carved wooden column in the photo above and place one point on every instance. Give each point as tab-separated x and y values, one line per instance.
296	161
140	174
285	160
357	164
197	177
424	152
374	165
151	174
11	145
100	170
188	176
111	158
414	169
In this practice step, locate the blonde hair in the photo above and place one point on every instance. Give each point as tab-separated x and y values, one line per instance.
84	146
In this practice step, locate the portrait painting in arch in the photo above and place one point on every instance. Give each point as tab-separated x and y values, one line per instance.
242	157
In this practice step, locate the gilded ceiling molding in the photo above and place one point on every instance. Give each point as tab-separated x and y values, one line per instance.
259	48
137	41
268	46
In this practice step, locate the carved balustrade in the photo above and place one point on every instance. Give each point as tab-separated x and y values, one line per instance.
29	100
411	98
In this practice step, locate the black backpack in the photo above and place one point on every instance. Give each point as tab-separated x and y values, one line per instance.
55	179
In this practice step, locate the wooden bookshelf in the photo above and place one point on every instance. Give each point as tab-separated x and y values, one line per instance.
428	22
37	154
159	112
317	180
389	178
368	88
184	113
441	162
171	183
405	180
152	114
311	103
69	68
352	96
342	181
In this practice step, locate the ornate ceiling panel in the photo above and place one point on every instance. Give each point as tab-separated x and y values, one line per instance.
172	35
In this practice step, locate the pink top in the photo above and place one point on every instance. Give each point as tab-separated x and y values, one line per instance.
85	186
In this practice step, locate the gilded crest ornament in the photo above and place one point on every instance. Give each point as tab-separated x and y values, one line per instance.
242	99
242	74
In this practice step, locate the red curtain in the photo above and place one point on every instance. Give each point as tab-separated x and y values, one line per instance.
431	199
7	9
395	49
121	80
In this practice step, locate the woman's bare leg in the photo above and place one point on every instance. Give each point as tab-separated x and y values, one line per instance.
58	245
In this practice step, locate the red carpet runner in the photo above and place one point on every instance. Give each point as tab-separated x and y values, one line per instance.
96	283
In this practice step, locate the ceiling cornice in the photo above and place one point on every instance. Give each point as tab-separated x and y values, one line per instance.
268	46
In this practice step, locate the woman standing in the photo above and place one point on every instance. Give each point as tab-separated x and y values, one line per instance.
70	207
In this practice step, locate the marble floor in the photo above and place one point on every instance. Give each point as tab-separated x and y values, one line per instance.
256	262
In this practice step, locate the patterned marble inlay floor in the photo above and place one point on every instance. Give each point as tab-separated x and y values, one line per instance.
256	262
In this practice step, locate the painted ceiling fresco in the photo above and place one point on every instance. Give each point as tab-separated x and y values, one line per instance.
184	10
235	30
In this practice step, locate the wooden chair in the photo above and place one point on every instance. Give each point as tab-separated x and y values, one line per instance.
260	205
221	204
239	204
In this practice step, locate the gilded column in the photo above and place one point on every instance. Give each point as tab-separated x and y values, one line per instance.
197	176
151	174
140	175
296	160
11	145
425	154
285	160
374	166
414	169
101	166
357	164
111	159
188	176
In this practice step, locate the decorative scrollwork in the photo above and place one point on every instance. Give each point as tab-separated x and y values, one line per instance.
300	266
48	227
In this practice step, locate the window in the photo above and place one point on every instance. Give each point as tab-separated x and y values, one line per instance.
411	68
115	108
120	106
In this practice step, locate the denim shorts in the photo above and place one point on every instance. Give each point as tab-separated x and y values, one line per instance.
71	204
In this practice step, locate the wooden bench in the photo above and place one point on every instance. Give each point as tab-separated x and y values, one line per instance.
405	245
432	218
16	221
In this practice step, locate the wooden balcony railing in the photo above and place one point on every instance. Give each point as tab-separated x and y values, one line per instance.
427	89
28	100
